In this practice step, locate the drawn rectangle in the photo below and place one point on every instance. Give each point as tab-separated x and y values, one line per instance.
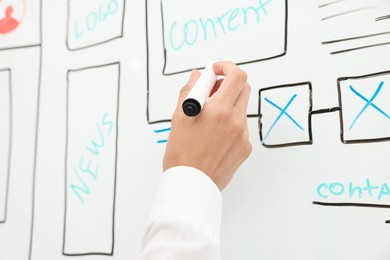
193	36
365	108
92	23
285	115
90	164
20	23
243	33
5	139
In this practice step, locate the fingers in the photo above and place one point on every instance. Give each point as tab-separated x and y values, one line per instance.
195	74
216	87
232	85
243	99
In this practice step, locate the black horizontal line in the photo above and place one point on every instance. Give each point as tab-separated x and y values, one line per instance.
348	12
360	48
387	221
350	204
325	110
381	18
355	38
20	47
331	3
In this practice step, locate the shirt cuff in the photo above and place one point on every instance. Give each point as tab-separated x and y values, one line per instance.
188	194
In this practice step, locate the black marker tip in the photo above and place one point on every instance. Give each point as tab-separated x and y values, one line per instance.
191	107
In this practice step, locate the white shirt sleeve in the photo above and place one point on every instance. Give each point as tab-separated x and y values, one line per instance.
185	219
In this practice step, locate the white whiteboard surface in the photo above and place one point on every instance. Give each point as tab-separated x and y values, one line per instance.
88	88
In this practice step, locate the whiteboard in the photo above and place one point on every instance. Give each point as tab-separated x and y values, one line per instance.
87	90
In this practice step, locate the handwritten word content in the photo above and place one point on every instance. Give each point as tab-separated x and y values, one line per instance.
87	169
195	32
353	191
192	31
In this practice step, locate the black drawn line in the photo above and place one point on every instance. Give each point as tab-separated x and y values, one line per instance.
360	48
387	221
116	154
148	71
325	110
382	18
20	47
111	253
348	12
37	118
10	121
351	204
10	143
331	3
355	38
97	43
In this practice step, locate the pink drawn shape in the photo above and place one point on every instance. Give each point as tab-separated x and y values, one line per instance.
8	24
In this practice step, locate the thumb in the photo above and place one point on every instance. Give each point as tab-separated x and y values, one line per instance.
195	74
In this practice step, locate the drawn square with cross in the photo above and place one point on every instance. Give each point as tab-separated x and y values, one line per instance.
285	115
365	108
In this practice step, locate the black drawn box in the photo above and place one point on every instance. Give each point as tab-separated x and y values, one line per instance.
5	139
285	118
90	163
188	37
243	32
365	108
92	23
20	23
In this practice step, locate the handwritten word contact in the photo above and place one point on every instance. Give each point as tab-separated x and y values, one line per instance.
353	191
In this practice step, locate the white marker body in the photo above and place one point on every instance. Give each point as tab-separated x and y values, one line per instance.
203	86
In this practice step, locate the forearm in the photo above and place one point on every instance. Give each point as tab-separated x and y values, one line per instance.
185	219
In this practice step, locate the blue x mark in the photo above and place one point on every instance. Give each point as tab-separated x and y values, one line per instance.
282	112
369	103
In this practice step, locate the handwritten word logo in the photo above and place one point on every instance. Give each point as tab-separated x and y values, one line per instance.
11	15
95	18
89	163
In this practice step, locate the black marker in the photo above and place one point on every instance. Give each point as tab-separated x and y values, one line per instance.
199	93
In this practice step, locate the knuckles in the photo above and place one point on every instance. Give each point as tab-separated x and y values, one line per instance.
240	75
237	128
220	115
